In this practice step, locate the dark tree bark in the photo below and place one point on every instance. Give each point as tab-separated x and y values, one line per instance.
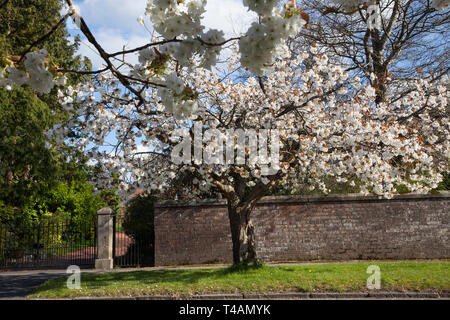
241	201
242	234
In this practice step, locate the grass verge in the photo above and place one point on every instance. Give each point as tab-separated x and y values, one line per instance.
402	277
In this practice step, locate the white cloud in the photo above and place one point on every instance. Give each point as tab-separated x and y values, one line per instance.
228	15
112	41
113	14
114	23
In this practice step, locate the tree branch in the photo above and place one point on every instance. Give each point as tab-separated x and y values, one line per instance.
83	72
87	32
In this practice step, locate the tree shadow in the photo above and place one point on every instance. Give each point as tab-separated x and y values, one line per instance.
143	278
245	266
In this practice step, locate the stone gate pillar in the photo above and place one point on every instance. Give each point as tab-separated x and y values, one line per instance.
105	229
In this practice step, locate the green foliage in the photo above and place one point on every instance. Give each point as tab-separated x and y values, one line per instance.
26	21
75	201
159	65
26	166
68	208
110	199
37	183
138	219
138	223
346	188
445	184
330	182
8	213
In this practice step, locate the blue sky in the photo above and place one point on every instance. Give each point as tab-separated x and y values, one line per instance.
114	22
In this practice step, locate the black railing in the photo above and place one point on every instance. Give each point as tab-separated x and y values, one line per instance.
48	244
128	251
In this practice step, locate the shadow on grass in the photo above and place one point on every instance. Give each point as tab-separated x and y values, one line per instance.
256	277
245	266
138	278
154	277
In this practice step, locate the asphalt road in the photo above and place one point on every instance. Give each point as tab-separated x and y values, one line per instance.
16	285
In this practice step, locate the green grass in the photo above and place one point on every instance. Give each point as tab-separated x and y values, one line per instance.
408	276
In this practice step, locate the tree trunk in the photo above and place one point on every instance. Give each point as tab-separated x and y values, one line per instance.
381	85
379	67
242	234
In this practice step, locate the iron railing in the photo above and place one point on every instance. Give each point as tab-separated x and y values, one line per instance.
128	251
48	244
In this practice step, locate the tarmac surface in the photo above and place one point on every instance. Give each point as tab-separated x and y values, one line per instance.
19	284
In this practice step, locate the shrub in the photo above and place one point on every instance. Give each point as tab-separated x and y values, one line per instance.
73	206
138	224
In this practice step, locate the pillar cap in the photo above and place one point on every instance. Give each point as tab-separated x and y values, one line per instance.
105	211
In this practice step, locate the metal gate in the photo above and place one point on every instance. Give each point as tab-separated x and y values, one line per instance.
48	244
128	251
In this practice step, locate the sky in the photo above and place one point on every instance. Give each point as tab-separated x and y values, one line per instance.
114	23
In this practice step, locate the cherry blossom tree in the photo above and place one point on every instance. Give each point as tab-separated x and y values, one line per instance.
173	114
303	112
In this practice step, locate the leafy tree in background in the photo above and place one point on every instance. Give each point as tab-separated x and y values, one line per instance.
35	179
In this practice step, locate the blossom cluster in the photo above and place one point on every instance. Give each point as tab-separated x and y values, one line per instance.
334	130
265	39
349	5
173	100
172	18
179	22
38	76
328	123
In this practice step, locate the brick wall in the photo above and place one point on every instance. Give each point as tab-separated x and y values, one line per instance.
308	228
